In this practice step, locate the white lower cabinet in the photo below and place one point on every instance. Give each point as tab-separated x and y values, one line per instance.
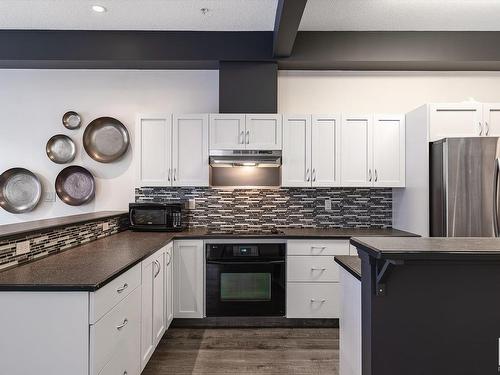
313	289
189	279
170	283
153	303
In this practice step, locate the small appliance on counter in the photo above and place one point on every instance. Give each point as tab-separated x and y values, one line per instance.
156	217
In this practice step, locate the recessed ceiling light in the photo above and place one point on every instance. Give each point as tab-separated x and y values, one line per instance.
98	8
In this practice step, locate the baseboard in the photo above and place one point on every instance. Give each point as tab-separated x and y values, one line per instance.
254	322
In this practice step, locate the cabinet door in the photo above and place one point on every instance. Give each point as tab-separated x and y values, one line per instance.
190	150
153	314
491	119
325	150
189	279
153	150
227	132
455	120
356	151
388	151
296	169
170	283
263	131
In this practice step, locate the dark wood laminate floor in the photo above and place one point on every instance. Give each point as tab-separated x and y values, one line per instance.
246	351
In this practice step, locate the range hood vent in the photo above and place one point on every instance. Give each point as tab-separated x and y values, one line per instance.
245	158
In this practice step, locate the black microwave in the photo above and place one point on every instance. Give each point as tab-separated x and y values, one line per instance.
159	217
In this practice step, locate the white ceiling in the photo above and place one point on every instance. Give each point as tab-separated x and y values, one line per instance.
392	15
223	15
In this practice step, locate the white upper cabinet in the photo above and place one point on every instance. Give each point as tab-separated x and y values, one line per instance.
373	150
388	151
356	150
172	150
491	119
190	150
239	131
227	131
153	151
296	169
263	131
456	120
325	161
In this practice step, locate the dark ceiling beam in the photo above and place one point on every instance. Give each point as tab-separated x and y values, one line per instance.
286	25
428	50
130	49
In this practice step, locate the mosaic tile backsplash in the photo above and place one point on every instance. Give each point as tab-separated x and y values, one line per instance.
55	240
254	209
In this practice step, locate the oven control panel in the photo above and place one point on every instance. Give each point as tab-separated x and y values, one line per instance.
245	251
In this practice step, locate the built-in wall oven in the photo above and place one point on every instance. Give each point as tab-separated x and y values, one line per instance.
245	278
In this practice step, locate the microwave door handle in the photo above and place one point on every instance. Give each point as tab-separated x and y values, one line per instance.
130	216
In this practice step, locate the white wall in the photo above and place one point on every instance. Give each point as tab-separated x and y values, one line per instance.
330	91
32	103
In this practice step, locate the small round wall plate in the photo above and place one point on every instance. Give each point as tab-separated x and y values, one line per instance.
61	149
72	120
20	190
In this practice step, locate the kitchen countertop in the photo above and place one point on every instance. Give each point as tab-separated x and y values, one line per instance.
89	267
453	248
351	263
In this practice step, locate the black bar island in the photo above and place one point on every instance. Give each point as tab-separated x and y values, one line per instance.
430	306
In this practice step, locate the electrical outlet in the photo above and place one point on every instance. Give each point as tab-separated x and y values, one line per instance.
105	226
49	196
22	247
328	204
191	204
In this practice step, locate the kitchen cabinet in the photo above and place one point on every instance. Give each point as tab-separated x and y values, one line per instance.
491	119
190	150
373	151
172	150
240	131
189	279
153	303
311	150
313	289
456	120
170	283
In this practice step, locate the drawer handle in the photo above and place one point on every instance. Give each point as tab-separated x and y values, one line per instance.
121	289
125	373
321	248
320	301
119	327
318	269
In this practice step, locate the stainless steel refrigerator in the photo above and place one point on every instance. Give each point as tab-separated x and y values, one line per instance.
464	187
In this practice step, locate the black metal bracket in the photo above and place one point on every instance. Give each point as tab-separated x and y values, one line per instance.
382	270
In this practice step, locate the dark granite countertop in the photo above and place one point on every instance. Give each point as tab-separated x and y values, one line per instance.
453	248
351	263
9	230
89	267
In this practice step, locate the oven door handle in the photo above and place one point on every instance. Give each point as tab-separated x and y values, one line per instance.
231	263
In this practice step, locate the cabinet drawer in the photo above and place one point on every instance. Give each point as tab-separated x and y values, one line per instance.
109	295
318	247
125	361
119	330
312	269
313	300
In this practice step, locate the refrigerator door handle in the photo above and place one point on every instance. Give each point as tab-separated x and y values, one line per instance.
495	196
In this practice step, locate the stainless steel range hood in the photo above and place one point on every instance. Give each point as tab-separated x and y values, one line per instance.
245	158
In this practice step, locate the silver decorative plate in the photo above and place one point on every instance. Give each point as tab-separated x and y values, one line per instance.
20	190
75	185
106	139
71	120
61	149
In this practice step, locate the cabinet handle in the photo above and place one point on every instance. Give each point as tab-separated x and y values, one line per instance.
321	248
125	373
242	137
120	326
248	137
169	171
121	289
314	175
376	176
480	128
169	258
159	268
320	301
175	174
318	269
307	175
487	127
369	175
